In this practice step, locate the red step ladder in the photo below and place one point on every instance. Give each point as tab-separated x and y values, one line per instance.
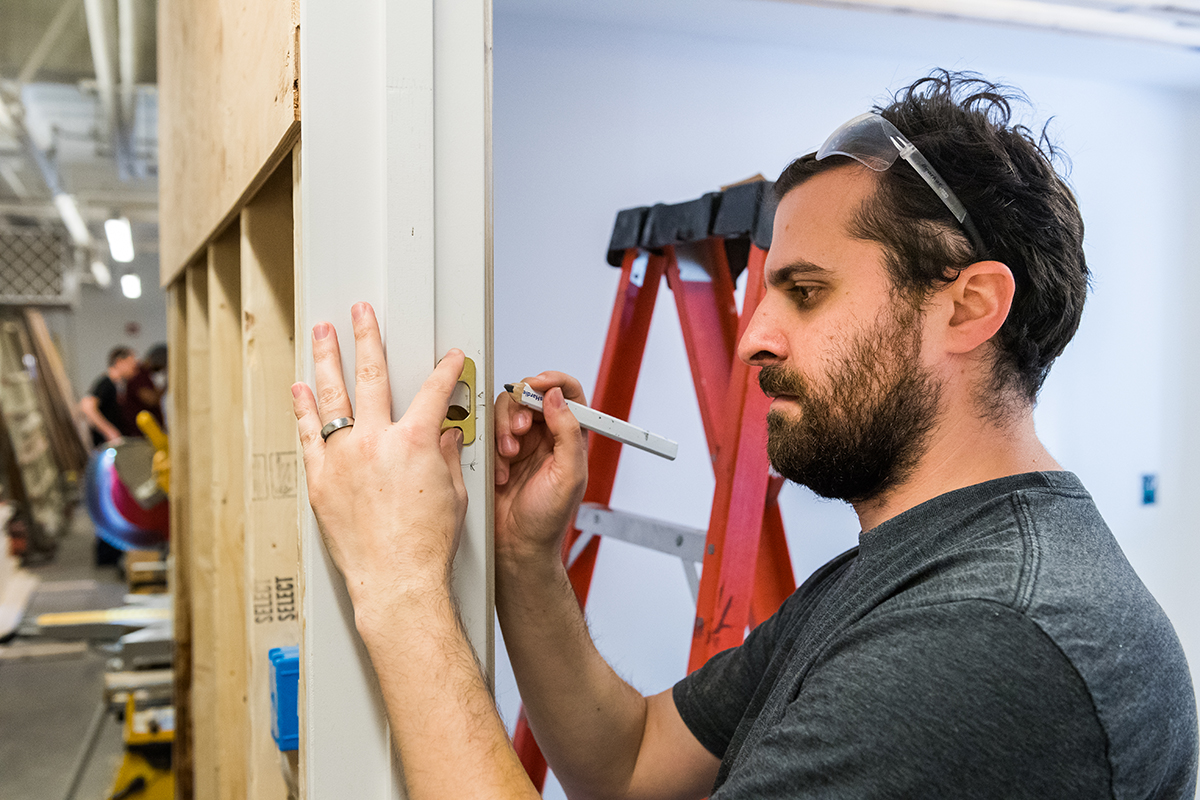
747	570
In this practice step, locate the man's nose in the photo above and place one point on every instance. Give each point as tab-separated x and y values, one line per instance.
762	342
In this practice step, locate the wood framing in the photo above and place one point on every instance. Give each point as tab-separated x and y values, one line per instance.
224	383
388	200
179	581
228	112
198	493
271	458
401	218
235	496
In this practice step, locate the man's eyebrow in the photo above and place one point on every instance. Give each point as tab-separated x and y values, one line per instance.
793	271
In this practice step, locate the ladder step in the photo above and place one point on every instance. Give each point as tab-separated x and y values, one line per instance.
666	537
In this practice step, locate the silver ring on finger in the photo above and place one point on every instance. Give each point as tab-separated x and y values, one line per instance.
336	425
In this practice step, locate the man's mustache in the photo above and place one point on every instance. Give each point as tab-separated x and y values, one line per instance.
776	380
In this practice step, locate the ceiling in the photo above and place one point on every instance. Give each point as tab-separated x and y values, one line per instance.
79	102
79	116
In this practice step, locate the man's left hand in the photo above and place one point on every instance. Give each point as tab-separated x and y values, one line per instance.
389	496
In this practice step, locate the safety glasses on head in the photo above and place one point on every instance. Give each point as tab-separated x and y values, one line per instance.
876	144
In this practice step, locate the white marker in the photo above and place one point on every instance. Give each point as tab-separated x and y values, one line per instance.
601	423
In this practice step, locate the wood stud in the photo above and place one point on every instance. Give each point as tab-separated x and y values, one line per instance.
235	498
271	459
228	511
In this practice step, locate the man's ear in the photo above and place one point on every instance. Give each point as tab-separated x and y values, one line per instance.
979	301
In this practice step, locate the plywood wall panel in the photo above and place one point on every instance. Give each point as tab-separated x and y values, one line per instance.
228	111
271	462
227	436
180	562
197	487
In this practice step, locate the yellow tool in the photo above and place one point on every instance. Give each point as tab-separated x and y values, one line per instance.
162	451
145	773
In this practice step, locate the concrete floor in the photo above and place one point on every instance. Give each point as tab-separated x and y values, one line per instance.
47	702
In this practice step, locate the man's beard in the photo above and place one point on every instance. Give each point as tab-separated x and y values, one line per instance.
864	429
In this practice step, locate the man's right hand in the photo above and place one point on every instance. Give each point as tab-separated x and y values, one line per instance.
601	737
541	469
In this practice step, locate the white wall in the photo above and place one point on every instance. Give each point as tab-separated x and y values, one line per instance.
103	320
637	104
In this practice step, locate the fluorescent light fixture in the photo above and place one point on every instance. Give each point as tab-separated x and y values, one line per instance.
72	219
120	239
101	273
131	286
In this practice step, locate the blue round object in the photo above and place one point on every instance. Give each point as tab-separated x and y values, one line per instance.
111	526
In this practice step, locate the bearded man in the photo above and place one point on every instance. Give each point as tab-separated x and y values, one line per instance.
986	638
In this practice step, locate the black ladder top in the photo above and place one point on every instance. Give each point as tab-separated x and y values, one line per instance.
740	215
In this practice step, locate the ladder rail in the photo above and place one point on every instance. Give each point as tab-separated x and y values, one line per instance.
747	570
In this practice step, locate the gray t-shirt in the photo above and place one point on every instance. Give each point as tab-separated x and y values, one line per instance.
992	642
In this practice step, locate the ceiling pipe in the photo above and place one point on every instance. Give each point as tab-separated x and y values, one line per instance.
1133	23
97	26
127	165
91	210
50	38
7	121
68	209
126	59
13	180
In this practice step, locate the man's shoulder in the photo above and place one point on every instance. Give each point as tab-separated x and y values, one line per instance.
102	386
1113	687
1042	552
984	542
1036	544
963	698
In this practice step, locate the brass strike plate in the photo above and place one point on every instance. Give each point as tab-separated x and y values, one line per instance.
461	413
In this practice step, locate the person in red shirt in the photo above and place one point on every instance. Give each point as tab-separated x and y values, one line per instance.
144	391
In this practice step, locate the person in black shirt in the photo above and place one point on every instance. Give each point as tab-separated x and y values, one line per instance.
102	404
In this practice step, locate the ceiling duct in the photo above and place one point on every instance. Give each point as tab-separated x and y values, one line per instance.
1160	23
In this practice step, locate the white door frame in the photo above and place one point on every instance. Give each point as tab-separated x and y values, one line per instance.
393	198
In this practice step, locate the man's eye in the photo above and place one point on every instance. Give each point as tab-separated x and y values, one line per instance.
804	294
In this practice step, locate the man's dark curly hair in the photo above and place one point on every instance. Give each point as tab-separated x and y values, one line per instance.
117	353
1026	214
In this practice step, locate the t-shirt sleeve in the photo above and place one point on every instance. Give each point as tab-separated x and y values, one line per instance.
713	699
104	390
965	699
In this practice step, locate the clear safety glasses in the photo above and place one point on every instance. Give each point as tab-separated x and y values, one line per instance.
876	144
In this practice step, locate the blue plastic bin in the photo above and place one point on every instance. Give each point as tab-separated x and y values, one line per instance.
285	685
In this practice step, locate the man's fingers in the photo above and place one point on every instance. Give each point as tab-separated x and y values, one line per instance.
332	400
372	392
506	444
451	444
506	414
569	444
308	422
515	421
433	400
572	389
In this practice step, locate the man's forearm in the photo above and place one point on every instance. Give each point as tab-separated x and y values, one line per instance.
444	722
587	720
97	420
